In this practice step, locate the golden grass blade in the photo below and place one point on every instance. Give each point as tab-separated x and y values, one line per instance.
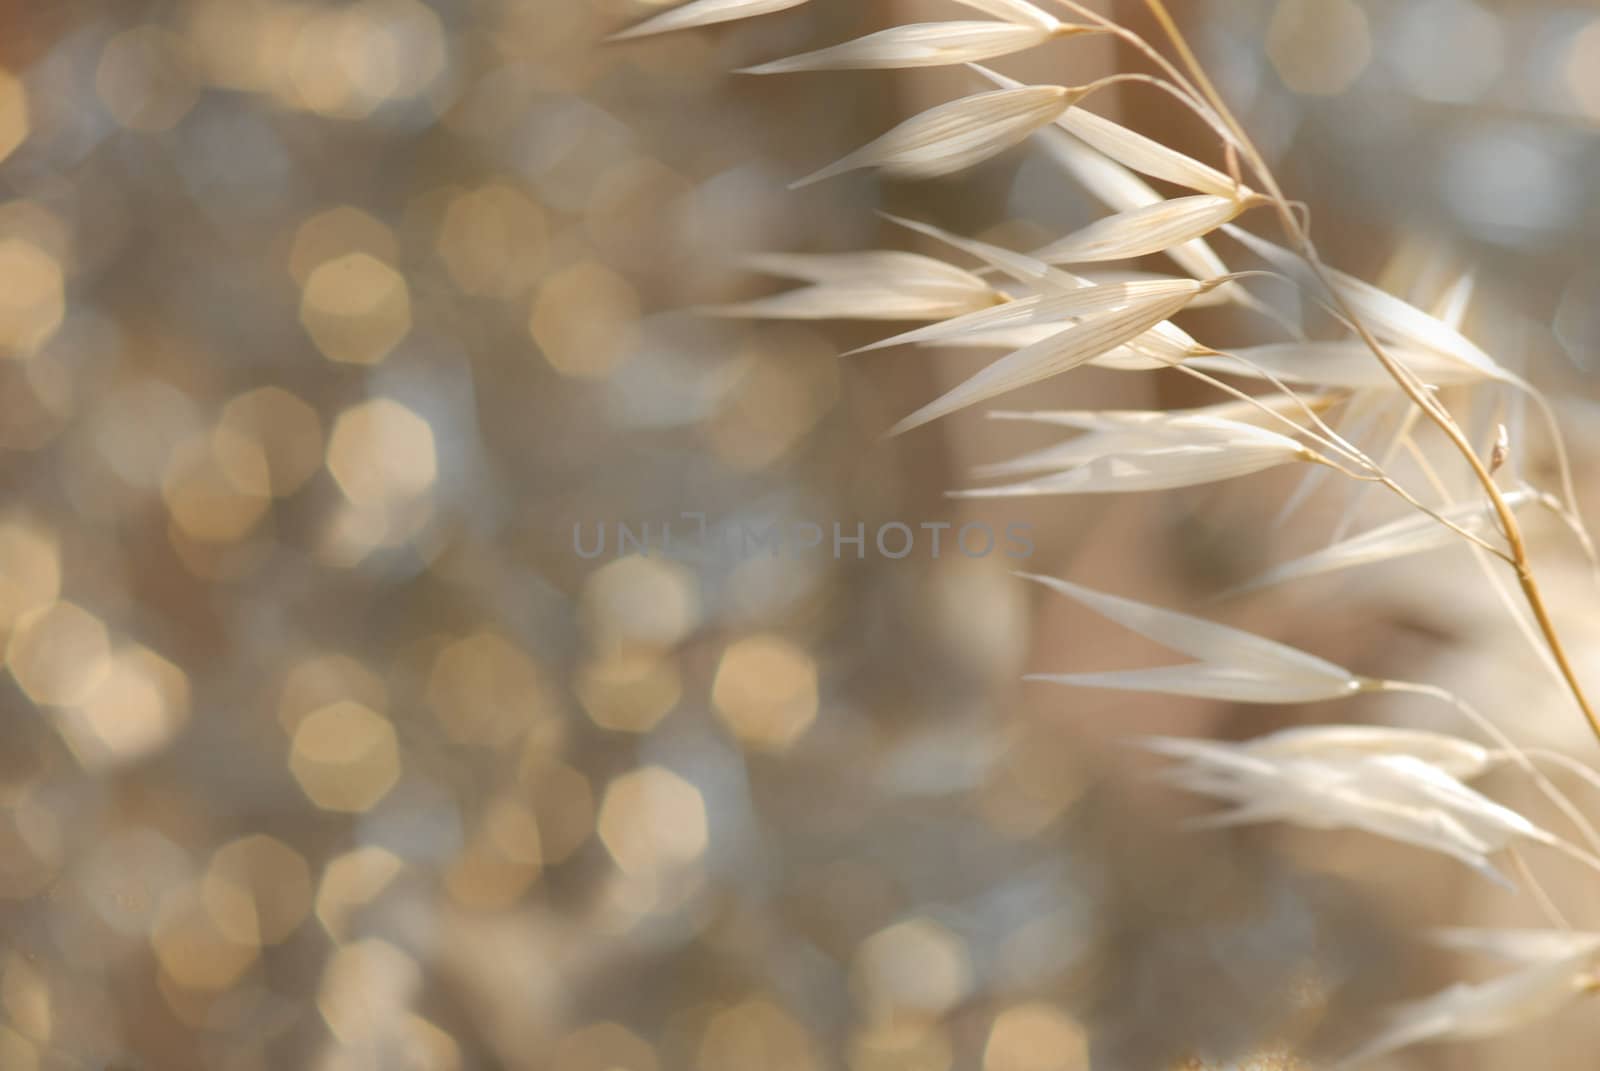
1059	353
1517	946
1198	680
1012	314
1459	758
1117	431
1454	302
1124	358
1114	185
1479	1010
1047	310
1108	419
1140	231
699	13
1390	318
852	303
1207	300
1001	338
1018	11
1121	190
1023	268
956	135
1409	535
1163	345
1166	343
1397	796
1136	421
933	44
1162	468
1134	150
871	268
1146	156
1211	642
872	285
1347	365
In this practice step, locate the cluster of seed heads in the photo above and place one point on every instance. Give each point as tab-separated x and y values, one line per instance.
1307	400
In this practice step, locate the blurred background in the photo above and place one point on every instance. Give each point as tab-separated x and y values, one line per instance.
325	327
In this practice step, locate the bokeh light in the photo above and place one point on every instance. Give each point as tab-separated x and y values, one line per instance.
652	820
1035	1037
1319	47
766	691
351	882
382	453
603	1046
1582	69
30	570
58	654
629	691
14	124
365	991
485	691
257	890
493	241
345	757
323	327
356	308
755	1032
143	79
915	968
134	711
585	320
34	301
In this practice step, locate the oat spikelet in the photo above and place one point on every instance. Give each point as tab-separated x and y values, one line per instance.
1200	450
1061	352
704	13
1233	664
957	135
1154	228
934	44
1134	150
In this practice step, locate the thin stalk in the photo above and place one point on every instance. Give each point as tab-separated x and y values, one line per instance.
1567	763
1517	755
1567	506
1540	895
1402	439
1418	394
1496	582
1374	474
1140	44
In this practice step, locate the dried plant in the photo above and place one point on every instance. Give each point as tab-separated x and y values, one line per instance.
1374	355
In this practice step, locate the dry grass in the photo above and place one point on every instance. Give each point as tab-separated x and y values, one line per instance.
1361	382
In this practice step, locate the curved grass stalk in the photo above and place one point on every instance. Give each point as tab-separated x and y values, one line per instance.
1567	506
1414	389
1516	612
1230	664
1126	35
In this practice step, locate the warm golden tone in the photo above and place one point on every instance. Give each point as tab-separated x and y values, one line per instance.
799	535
